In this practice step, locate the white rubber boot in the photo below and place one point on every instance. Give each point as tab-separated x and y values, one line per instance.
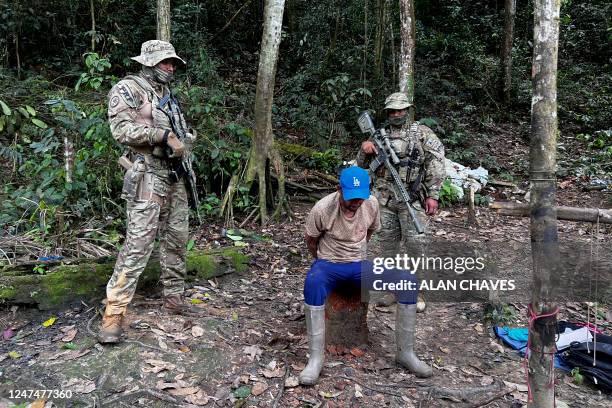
315	325
405	324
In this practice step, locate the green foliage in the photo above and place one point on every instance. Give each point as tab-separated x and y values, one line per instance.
324	77
502	314
448	194
40	269
210	205
327	161
577	376
13	120
482	200
96	66
46	202
599	161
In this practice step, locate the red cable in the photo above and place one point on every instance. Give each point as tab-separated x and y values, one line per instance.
532	318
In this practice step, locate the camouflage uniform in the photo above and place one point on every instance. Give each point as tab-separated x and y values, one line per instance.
154	202
422	166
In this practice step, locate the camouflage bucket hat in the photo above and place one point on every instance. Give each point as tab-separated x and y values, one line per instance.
397	100
154	51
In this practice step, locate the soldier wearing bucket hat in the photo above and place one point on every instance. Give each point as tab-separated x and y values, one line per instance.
421	167
145	117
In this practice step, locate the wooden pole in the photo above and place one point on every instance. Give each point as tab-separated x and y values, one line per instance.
563	213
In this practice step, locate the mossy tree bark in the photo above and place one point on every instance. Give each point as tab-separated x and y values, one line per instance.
407	50
506	50
543	228
263	142
163	20
64	284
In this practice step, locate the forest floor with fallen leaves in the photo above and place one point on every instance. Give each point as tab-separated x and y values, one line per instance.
251	345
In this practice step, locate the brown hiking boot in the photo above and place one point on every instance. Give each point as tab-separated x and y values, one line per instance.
175	304
110	331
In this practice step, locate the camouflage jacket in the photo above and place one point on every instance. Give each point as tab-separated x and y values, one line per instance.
422	163
137	121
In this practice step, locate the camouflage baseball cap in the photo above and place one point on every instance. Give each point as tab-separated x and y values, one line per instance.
397	100
153	52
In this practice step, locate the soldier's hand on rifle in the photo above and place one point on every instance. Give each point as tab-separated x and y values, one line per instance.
176	146
368	147
431	206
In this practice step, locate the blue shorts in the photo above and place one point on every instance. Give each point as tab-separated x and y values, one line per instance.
324	276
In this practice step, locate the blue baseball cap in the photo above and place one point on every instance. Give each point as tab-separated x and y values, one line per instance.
355	183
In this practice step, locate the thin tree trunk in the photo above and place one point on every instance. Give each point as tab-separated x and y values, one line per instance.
543	229
93	25
379	37
407	50
163	20
268	57
334	38
68	158
365	43
392	47
506	50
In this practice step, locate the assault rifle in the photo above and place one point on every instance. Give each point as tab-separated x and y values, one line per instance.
386	155
181	167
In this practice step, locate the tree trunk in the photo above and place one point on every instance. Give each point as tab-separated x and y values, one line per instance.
92	10
506	50
379	39
544	240
407	49
163	20
392	45
68	158
346	318
268	57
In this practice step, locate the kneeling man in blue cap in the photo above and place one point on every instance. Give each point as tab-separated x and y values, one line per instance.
338	229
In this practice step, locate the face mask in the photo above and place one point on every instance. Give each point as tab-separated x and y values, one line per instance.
398	121
162	76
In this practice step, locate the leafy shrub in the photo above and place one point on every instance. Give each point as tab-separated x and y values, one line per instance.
448	194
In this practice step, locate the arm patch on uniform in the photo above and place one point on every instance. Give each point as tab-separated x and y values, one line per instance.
433	144
114	101
127	95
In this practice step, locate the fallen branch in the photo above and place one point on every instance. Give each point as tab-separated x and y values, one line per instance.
491	398
563	213
462	394
370	388
112	401
282	386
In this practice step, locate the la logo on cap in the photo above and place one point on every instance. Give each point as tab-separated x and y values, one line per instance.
356	182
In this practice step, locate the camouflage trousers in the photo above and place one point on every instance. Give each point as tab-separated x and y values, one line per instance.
168	216
398	233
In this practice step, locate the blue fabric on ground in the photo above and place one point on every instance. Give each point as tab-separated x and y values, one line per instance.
518	333
324	276
507	334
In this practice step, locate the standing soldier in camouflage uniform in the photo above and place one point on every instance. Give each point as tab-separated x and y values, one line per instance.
143	116
421	166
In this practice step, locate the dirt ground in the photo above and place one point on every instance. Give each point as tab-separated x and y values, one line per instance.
251	345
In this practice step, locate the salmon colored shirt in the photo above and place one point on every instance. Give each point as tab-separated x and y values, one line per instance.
342	239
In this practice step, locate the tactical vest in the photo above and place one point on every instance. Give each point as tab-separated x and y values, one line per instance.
150	114
407	144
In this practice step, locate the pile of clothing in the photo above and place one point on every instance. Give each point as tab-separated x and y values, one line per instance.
577	346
